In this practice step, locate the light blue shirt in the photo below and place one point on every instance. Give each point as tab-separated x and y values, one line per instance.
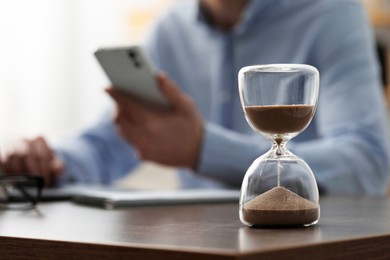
346	144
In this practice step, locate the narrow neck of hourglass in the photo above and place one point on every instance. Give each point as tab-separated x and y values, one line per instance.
279	147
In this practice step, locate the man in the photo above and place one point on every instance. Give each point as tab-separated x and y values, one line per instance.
200	46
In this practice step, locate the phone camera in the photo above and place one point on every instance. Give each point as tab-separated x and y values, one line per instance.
133	57
132	54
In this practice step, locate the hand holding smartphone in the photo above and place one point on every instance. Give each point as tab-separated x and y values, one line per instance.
129	70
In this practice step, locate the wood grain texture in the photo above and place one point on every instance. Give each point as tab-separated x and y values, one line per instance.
348	227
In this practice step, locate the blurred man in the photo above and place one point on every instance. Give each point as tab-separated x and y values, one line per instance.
200	46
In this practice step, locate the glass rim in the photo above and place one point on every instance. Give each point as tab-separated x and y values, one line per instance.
278	68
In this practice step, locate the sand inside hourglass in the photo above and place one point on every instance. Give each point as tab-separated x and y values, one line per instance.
282	119
280	206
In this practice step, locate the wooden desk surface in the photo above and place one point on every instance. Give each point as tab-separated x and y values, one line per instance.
348	227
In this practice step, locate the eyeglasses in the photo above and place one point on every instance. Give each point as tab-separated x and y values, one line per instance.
20	192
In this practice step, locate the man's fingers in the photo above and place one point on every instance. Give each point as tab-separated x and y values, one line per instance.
14	160
137	137
38	159
32	158
132	110
44	155
119	96
130	131
57	166
13	163
170	90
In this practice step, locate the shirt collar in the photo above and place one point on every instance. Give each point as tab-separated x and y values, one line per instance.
253	11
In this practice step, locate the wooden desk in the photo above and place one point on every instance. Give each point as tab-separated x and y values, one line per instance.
349	228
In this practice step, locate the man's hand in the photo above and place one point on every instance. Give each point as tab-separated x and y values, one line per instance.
33	157
170	136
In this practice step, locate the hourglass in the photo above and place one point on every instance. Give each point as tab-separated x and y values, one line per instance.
279	188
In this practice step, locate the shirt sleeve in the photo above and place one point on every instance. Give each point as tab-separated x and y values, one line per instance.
226	154
351	153
97	156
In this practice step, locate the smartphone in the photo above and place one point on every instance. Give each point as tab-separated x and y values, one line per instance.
129	70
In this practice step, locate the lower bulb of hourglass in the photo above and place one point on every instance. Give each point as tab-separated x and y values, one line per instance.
279	192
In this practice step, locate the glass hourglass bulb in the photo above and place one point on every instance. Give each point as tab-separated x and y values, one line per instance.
279	188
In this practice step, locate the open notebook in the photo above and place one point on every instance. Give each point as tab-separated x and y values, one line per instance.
111	198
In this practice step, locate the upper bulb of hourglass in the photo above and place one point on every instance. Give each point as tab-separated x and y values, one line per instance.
280	122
